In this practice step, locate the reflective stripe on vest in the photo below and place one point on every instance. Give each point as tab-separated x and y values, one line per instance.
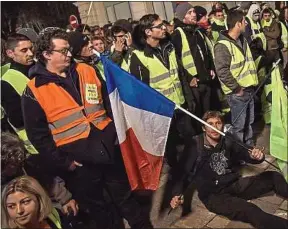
19	82
284	36
242	67
161	79
100	67
68	121
55	218
257	32
187	58
125	65
208	43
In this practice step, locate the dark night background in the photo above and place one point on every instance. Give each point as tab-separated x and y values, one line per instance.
36	15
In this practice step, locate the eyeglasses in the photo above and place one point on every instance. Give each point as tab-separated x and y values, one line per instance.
160	26
63	51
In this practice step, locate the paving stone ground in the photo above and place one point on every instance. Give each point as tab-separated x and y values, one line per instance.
200	217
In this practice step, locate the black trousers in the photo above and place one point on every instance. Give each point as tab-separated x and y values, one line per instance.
181	131
87	185
232	201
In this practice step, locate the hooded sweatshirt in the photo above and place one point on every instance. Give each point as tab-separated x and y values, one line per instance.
98	148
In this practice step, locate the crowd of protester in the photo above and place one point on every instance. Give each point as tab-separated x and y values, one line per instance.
61	161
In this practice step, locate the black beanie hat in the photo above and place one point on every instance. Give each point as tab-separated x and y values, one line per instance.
77	41
200	12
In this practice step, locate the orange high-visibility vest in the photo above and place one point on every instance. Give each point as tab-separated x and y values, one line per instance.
68	121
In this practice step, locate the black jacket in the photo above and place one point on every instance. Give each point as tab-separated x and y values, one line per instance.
196	43
211	168
11	100
98	148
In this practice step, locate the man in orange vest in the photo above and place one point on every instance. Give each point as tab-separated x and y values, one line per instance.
67	123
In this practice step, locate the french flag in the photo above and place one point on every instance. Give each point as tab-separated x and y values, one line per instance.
142	118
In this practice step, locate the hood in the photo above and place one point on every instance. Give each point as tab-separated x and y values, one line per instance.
43	76
254	10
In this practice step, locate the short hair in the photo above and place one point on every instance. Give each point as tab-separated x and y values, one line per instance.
213	114
233	17
117	29
3	52
266	11
14	39
45	42
146	22
30	186
13	151
94	38
218	11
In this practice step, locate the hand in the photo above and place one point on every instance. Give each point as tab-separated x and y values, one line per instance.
176	201
194	82
240	93
128	39
212	73
119	45
74	165
71	204
257	154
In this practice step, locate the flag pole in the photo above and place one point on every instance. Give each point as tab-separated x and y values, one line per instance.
218	131
87	16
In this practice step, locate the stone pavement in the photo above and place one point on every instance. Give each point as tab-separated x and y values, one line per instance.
200	217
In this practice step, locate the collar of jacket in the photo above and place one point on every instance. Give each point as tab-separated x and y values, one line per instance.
223	35
43	76
165	45
21	68
207	144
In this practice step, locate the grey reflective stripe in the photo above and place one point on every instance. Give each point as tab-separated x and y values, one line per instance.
27	142
246	73
94	108
64	121
238	65
159	78
187	53
191	65
72	131
171	89
99	119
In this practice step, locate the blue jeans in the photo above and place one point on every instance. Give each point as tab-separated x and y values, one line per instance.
242	127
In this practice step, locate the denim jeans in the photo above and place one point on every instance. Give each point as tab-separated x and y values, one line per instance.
242	127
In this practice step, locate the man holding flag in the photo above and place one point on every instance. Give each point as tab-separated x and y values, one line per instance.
66	121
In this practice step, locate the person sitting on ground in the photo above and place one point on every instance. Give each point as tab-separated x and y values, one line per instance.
25	204
212	168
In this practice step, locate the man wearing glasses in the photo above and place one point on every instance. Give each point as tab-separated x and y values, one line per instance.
154	62
66	121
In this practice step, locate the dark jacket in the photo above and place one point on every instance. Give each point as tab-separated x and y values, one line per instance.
223	60
196	43
118	57
273	35
98	148
11	100
212	168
